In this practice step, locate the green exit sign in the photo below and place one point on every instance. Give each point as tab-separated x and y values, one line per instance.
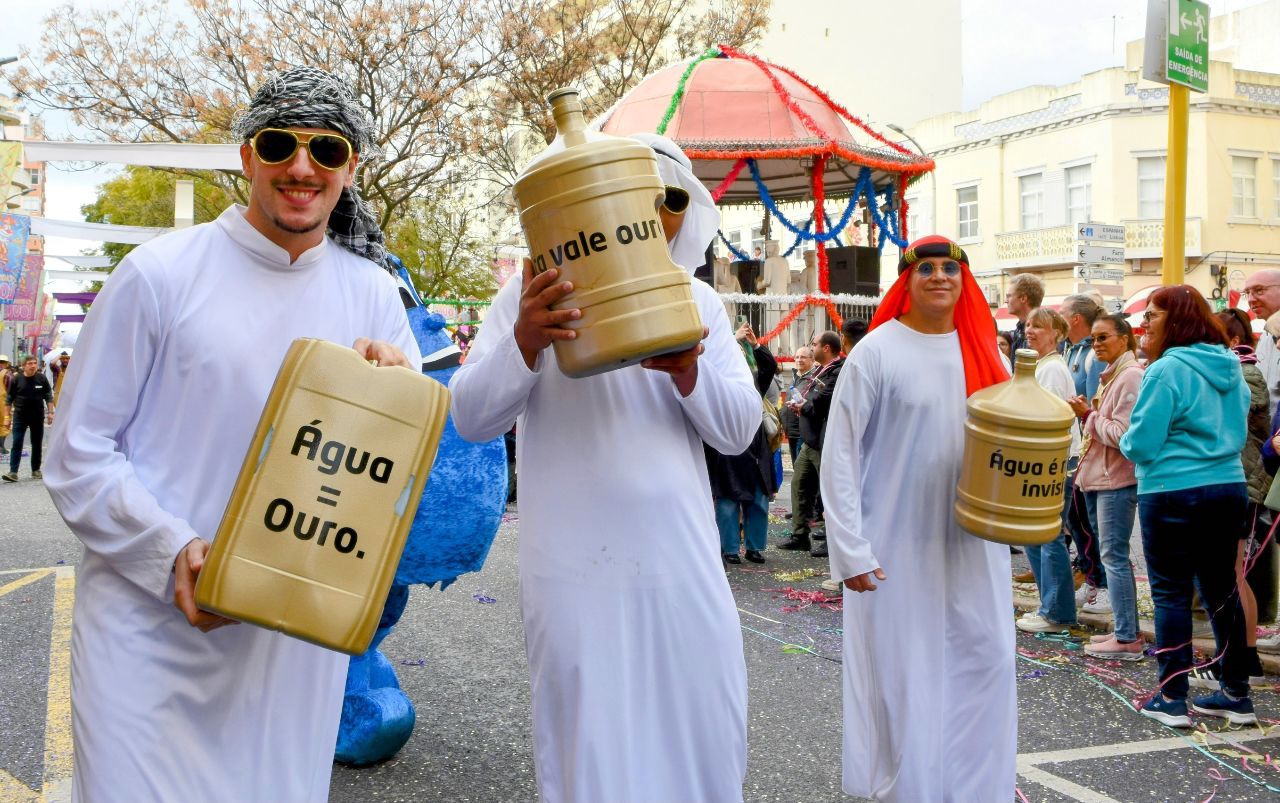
1188	54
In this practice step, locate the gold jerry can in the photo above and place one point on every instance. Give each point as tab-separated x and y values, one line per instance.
312	535
591	212
1017	439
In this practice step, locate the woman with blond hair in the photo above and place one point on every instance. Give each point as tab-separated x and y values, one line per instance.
1051	562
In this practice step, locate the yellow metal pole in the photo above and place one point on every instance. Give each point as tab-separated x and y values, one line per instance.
1175	187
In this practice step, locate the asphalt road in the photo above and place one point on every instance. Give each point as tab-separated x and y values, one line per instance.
461	659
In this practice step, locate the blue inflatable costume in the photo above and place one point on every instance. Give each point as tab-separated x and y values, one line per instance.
456	522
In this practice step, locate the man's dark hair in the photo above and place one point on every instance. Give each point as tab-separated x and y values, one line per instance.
853	330
831	340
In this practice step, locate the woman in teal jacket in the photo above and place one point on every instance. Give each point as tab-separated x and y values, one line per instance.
1185	435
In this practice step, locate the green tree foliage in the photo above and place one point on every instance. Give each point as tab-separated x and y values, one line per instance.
446	247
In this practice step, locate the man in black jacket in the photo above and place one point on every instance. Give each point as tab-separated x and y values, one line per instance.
812	405
28	394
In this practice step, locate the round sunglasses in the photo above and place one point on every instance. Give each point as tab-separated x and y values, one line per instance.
275	146
950	268
676	201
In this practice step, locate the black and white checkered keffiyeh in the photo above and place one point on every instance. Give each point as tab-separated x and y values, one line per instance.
306	97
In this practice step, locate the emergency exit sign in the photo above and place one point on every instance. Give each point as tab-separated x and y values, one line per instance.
1187	60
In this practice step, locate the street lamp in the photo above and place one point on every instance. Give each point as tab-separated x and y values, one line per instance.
7	60
933	179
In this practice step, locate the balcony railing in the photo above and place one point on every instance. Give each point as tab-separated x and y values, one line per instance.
1055	245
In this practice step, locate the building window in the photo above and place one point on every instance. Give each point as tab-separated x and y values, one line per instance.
31	204
35	176
1079	194
1031	192
1150	187
757	242
967	213
1275	187
913	217
1244	193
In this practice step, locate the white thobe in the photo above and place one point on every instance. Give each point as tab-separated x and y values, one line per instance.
929	699
635	653
176	360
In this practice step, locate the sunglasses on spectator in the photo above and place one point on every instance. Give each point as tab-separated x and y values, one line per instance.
676	200
1103	338
275	146
950	268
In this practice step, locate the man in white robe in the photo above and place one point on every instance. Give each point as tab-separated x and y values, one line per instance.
173	367
635	652
929	699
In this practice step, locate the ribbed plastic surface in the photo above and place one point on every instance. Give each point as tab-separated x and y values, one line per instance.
1017	440
590	212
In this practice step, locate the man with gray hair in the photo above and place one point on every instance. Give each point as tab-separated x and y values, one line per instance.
1262	292
173	367
1026	292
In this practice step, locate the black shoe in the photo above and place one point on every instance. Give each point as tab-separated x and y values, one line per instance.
795	543
734	559
819	549
786	515
1013	550
754	556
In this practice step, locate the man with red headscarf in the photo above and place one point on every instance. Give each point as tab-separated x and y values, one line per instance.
929	702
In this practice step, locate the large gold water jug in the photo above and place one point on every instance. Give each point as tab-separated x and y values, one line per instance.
591	212
313	532
1016	445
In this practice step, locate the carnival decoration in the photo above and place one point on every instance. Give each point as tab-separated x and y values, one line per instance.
457	519
757	131
14	231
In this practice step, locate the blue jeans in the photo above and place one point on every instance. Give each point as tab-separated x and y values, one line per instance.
1051	565
1111	518
1190	539
1084	536
755	522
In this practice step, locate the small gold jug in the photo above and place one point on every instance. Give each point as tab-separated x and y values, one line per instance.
1017	440
590	212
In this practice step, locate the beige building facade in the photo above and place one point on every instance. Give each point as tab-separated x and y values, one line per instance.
1015	177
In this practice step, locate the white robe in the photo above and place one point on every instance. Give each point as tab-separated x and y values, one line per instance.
176	359
929	700
635	653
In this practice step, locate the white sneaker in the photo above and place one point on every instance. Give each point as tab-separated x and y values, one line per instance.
831	584
1035	623
1269	644
1085	594
1101	602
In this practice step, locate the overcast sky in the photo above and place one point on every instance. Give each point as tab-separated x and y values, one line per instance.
1006	44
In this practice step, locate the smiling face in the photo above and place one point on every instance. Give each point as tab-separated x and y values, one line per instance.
1108	344
1262	290
290	202
934	295
1043	339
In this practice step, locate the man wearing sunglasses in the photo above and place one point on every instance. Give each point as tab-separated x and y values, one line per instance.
929	706
622	589
171	372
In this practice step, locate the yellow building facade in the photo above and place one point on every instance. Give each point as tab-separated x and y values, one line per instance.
1015	176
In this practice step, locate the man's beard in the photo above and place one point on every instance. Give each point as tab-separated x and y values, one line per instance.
305	229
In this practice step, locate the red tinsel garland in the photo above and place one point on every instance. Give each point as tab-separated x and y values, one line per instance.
724	186
790	317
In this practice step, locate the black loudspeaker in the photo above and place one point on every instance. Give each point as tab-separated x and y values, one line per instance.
855	270
748	271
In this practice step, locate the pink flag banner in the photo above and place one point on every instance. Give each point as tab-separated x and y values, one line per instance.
24	304
14	231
